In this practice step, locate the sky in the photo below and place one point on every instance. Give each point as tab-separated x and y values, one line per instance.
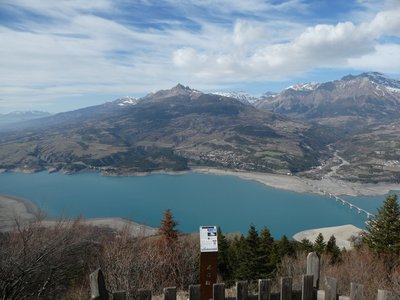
67	54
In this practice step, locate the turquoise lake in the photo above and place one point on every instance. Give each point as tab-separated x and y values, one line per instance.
195	199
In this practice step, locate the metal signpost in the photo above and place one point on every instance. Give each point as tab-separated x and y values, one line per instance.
208	260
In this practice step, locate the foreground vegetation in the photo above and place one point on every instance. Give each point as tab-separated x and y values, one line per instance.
55	262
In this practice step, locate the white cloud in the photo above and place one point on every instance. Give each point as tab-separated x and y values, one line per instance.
78	52
385	58
319	46
245	33
386	23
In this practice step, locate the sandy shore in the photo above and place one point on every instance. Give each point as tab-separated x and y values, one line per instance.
304	185
343	234
14	209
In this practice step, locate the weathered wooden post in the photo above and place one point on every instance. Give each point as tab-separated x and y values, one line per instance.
219	291
208	260
264	289
170	293
119	295
242	290
307	289
286	288
194	292
144	294
356	291
330	288
98	288
313	267
383	295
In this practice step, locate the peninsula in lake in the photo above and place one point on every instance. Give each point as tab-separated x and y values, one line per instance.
346	130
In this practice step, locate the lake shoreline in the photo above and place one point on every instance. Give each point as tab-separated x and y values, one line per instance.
15	210
297	184
293	183
27	212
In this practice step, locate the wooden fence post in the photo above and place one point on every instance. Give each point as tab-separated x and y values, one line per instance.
383	295
170	293
242	290
286	288
307	289
356	291
119	295
98	289
144	294
194	292
264	289
330	288
218	291
313	266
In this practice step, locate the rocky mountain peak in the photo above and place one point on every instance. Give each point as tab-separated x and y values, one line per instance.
181	87
178	90
375	77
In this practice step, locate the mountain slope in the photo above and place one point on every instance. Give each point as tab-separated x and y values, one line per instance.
363	110
169	129
368	97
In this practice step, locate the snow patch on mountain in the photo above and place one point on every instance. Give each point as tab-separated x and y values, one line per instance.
127	101
311	86
241	96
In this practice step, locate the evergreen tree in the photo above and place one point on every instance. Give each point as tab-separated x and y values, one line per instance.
319	245
167	228
266	248
383	233
252	253
306	246
238	256
224	266
282	247
286	247
332	249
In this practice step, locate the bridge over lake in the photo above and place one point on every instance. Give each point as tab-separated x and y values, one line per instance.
342	201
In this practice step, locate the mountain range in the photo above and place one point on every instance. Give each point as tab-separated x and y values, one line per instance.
13	118
367	97
301	130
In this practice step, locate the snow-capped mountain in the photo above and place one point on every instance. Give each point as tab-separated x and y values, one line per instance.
126	101
241	96
304	87
372	95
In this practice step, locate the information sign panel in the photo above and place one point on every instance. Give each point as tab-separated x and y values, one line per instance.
208	239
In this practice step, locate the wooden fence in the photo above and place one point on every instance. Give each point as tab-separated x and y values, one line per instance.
309	291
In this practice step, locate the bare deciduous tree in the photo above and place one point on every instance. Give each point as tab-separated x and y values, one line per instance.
42	262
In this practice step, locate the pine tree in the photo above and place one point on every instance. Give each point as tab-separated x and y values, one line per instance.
167	228
332	249
252	253
224	265
306	246
383	233
266	248
282	248
238	255
319	245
